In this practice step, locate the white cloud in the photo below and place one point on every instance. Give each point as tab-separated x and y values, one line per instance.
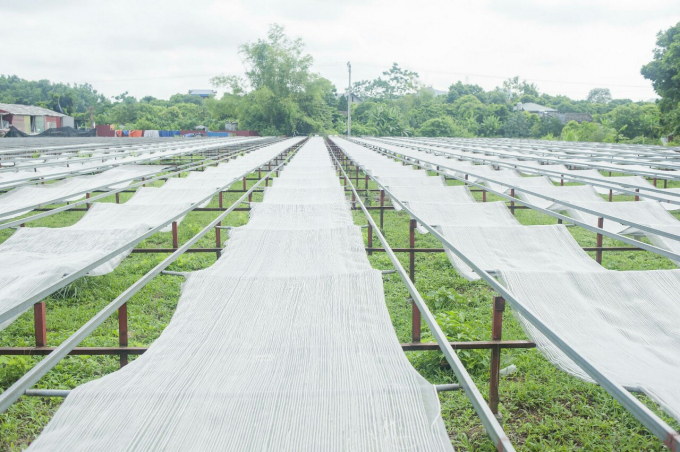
160	48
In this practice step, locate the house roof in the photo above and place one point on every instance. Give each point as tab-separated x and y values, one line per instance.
29	110
530	106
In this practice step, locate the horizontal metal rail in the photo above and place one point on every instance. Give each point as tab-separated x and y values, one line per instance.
27	303
558	160
488	419
31	377
619	186
613	235
106	193
650	420
95	169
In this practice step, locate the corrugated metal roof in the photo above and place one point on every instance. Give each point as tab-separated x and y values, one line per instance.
30	110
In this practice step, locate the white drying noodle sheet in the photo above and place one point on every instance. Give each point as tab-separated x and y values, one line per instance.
444	195
527	248
24	197
285	343
623	322
667	205
528	182
569	193
635	181
35	258
647	213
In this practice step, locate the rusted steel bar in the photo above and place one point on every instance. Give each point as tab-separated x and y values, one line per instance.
40	324
218	239
382	210
172	250
370	238
123	332
408	347
496	335
598	241
512	203
175	235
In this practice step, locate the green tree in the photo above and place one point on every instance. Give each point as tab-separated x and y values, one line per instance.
279	95
442	127
664	72
599	96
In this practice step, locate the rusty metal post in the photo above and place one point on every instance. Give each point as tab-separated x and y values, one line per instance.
655	181
512	203
40	324
143	179
483	195
382	210
175	235
221	200
496	335
610	195
561	182
123	332
87	196
637	197
218	239
415	312
598	241
370	239
118	198
366	185
244	184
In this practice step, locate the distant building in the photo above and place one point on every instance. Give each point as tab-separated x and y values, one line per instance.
203	92
534	108
540	110
231	126
30	119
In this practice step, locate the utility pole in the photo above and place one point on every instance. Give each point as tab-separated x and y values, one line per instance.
349	101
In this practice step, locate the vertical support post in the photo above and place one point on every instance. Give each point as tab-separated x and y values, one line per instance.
175	235
382	209
143	179
598	241
655	181
415	312
665	183
370	239
218	239
496	335
483	195
244	184
118	198
40	324
87	196
611	193
221	200
512	203
123	332
366	184
637	197
562	182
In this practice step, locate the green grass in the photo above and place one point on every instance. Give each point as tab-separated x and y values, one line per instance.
542	408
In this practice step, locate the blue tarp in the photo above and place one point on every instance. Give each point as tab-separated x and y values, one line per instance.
218	134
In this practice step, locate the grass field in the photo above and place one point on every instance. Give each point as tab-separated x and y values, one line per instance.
542	408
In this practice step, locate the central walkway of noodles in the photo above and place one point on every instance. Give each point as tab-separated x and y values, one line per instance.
285	343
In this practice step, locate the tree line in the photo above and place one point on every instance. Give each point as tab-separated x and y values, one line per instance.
279	94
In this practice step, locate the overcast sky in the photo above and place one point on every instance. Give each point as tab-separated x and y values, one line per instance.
164	47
